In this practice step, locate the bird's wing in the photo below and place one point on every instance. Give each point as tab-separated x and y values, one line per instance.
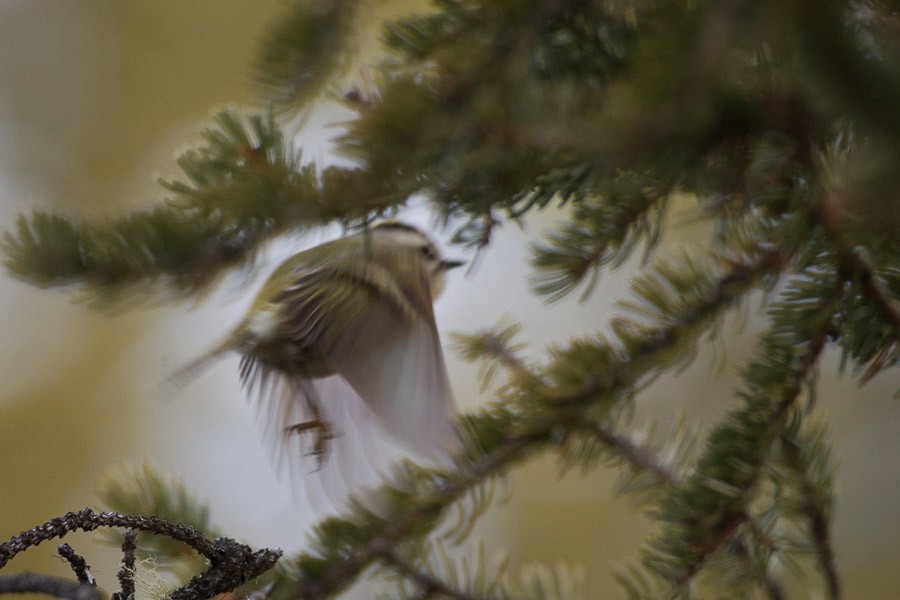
376	329
390	396
391	355
359	455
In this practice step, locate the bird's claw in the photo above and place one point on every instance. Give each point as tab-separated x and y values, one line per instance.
322	434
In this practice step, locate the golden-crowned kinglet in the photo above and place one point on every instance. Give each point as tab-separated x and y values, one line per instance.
341	342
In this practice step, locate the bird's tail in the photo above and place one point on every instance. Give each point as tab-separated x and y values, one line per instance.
184	376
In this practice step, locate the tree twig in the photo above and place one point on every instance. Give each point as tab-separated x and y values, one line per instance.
641	458
818	521
829	214
37	583
730	520
324	572
79	565
231	563
126	572
429	584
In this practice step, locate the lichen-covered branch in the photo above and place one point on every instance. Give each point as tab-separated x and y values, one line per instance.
231	563
36	583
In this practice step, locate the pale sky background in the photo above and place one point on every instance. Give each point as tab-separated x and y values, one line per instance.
96	96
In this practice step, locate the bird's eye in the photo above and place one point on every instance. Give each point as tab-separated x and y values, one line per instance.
428	252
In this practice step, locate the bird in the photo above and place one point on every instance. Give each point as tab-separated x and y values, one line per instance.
341	354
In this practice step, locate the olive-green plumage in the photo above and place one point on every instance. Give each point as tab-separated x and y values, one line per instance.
356	312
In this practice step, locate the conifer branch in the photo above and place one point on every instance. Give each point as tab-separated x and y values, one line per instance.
876	289
727	522
711	507
244	185
321	576
869	87
887	306
772	585
603	231
495	348
310	47
856	261
429	584
856	264
816	513
344	547
640	458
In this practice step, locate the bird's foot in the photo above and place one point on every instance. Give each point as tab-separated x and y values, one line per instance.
322	432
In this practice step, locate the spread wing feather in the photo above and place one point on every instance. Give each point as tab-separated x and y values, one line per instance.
382	371
359	454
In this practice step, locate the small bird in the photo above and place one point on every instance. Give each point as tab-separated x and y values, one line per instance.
341	345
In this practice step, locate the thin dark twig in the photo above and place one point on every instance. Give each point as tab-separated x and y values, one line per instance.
88	520
856	261
818	520
876	288
641	459
127	570
774	587
78	564
771	583
494	346
37	583
729	522
429	584
231	563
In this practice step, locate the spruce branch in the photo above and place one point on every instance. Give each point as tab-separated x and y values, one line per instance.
873	351
640	458
145	490
429	584
243	185
310	47
603	231
711	508
867	84
856	262
579	378
860	264
808	458
344	547
771	584
495	348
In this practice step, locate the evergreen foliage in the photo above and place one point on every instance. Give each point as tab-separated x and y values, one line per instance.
781	120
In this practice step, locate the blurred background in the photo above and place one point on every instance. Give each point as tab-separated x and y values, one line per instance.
96	96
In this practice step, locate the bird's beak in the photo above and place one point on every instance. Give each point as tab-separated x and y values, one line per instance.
446	265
